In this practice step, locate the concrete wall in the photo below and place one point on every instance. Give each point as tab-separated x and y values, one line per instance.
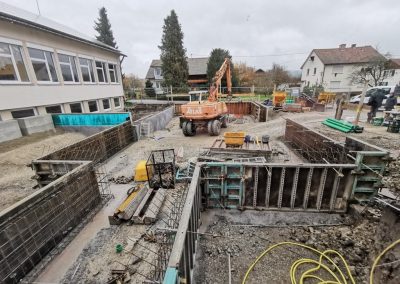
9	130
35	124
156	121
36	94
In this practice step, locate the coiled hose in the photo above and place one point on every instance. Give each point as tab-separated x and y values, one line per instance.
339	277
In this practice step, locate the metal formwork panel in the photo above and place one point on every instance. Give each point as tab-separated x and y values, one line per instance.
224	186
228	186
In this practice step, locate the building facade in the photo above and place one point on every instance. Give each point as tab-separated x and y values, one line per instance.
46	67
197	73
392	74
332	68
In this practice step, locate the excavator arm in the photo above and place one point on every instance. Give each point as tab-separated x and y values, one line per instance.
216	81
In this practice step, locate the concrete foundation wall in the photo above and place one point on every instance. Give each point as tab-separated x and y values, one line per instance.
35	225
35	124
9	130
154	122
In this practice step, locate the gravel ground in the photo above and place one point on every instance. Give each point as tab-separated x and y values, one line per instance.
245	243
16	156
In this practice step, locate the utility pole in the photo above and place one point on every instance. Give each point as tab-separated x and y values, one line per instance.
361	103
37	5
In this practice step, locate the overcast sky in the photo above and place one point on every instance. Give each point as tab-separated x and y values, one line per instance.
258	32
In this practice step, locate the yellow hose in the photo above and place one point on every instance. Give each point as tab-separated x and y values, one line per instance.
317	265
371	275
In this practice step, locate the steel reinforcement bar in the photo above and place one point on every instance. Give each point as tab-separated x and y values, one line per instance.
181	261
32	227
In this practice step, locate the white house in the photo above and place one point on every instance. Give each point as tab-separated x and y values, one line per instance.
392	74
332	67
46	67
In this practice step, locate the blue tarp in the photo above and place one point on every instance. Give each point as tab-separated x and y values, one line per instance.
90	119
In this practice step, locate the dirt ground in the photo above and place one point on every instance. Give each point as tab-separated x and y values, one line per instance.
228	232
15	159
99	257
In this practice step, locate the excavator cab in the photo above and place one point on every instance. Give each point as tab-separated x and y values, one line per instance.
198	95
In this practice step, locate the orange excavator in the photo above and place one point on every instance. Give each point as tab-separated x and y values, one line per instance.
211	113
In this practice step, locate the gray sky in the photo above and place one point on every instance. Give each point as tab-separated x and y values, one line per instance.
254	31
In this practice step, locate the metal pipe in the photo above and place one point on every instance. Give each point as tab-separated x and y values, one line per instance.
229	270
388	204
372	170
338	173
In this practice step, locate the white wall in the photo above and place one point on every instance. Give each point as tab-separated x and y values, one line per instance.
312	79
332	77
34	94
392	80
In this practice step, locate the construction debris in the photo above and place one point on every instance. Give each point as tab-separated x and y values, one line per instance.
121	180
392	180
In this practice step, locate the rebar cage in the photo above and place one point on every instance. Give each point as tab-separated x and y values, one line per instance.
160	168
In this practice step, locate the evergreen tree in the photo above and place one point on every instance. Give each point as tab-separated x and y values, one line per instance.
103	27
215	61
149	89
173	55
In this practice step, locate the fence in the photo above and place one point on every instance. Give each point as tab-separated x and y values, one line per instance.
162	92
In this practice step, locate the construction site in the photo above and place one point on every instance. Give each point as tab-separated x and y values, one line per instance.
276	161
140	202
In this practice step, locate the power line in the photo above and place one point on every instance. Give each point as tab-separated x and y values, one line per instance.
261	55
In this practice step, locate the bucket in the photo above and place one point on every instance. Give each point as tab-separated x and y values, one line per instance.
119	248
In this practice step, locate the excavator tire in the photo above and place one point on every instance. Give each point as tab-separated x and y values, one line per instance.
184	124
224	122
190	129
209	127
216	127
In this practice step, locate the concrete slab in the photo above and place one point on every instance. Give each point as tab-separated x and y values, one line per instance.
34	124
9	130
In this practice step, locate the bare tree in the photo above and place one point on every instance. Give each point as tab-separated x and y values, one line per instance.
278	74
246	75
374	72
131	81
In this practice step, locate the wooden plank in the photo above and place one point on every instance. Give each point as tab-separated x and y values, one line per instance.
136	216
154	207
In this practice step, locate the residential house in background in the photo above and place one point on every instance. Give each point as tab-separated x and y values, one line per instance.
197	73
392	74
46	67
332	67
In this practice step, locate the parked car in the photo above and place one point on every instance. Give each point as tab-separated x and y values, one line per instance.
370	91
